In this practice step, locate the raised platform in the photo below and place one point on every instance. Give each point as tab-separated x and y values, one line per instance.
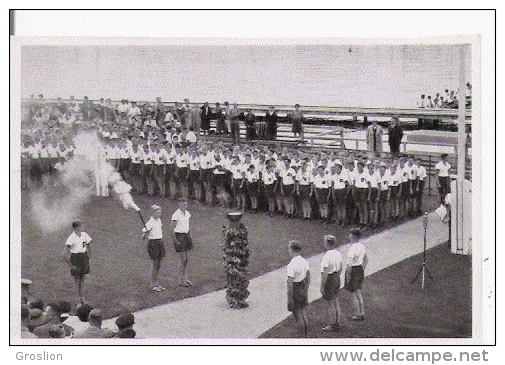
433	137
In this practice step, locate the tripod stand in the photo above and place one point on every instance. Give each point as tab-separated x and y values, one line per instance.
424	268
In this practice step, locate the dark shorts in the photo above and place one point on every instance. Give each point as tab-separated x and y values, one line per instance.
339	196
135	169
357	276
322	196
194	176
269	191
182	174
288	190
81	262
236	189
158	171
252	189
300	296
304	192
406	190
207	175
124	163
443	181
383	196
361	195
156	249
183	243
331	286
420	187
374	193
394	191
170	170
218	179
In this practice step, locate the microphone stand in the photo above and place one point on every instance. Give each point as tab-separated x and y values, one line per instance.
424	268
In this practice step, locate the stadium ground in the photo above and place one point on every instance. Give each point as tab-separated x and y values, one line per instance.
120	265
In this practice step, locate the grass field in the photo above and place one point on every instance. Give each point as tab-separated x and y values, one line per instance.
120	265
396	308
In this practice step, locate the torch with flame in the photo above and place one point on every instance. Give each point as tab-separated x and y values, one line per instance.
122	189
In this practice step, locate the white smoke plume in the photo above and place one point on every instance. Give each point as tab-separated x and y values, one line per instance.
60	199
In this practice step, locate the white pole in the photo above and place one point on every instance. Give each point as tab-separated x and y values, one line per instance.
461	147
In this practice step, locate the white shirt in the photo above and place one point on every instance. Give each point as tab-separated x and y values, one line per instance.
339	181
288	176
332	260
154	225
321	182
405	173
77	243
298	268
169	117
421	172
169	156
237	171
443	170
194	163
207	161
252	177
133	112
304	178
148	157
373	179
181	160
361	180
383	181
158	157
351	175
136	156
356	254
182	220
412	172
395	179
191	137
269	178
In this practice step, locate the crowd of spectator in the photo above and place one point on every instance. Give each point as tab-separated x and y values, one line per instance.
55	321
448	100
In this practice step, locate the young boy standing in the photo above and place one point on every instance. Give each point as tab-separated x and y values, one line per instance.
331	267
155	246
298	286
182	239
77	253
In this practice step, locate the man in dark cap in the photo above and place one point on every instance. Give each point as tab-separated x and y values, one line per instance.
125	324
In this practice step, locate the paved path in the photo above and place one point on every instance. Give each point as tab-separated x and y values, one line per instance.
208	316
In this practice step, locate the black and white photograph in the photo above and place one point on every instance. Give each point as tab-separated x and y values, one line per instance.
253	191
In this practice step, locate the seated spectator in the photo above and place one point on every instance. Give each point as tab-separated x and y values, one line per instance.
37	318
80	321
95	329
54	312
36	303
125	324
56	331
25	322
